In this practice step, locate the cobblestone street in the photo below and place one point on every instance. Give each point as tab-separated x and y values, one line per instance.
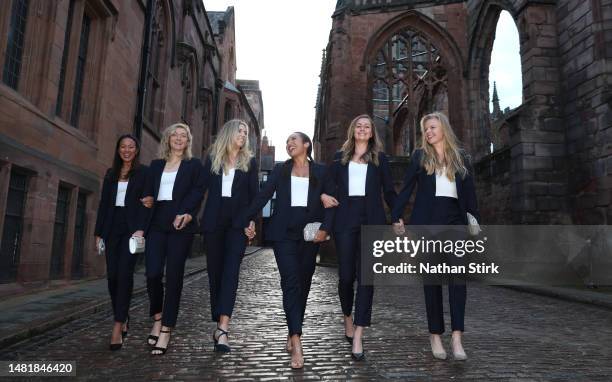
509	335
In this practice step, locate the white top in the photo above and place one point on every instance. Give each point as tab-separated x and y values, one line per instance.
121	191
444	187
299	191
226	183
166	185
357	178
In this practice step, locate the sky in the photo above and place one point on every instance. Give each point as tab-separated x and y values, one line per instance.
505	66
284	53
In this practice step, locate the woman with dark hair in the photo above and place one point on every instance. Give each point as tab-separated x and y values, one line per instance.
120	216
232	181
360	175
442	173
298	184
176	185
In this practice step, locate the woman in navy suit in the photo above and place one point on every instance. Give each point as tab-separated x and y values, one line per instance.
298	184
176	184
361	176
120	216
444	196
231	177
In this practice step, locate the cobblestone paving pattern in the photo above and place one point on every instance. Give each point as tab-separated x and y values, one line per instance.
509	335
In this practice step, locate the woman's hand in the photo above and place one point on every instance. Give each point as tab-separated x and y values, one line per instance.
139	233
147	201
398	227
320	236
328	201
250	230
181	221
98	238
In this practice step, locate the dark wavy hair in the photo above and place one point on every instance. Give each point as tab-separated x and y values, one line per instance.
289	162
115	171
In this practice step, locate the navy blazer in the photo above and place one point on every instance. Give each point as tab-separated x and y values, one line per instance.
378	181
244	189
137	214
279	181
426	192
187	192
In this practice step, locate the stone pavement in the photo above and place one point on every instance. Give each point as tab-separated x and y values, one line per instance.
510	335
27	315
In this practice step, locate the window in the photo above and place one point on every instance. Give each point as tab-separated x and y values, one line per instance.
59	233
79	236
156	64
62	79
80	71
13	226
408	79
187	82
228	114
14	48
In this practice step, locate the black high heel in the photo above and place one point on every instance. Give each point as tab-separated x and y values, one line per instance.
127	327
152	337
157	348
349	339
220	347
115	347
358	356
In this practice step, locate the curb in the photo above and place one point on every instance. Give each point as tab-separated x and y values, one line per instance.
88	309
583	297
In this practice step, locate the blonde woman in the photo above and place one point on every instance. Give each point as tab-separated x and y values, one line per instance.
176	186
231	178
360	175
444	196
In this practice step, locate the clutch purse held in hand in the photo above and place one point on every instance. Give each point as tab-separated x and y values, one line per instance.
137	244
101	247
310	231
473	226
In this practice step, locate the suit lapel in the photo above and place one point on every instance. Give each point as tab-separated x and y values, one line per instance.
311	191
179	177
158	174
344	175
237	177
369	175
458	184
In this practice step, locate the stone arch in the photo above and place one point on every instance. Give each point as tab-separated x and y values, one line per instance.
481	46
449	69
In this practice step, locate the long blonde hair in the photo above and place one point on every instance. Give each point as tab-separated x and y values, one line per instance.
374	144
453	154
220	150
164	146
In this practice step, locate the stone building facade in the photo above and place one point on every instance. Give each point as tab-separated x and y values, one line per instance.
76	74
399	59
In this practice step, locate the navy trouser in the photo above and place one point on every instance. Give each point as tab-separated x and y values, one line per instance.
224	252
296	261
120	265
348	250
170	249
446	212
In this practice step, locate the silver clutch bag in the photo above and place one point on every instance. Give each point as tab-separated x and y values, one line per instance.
310	230
101	247
473	226
137	244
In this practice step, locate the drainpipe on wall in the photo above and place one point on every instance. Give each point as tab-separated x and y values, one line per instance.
144	64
